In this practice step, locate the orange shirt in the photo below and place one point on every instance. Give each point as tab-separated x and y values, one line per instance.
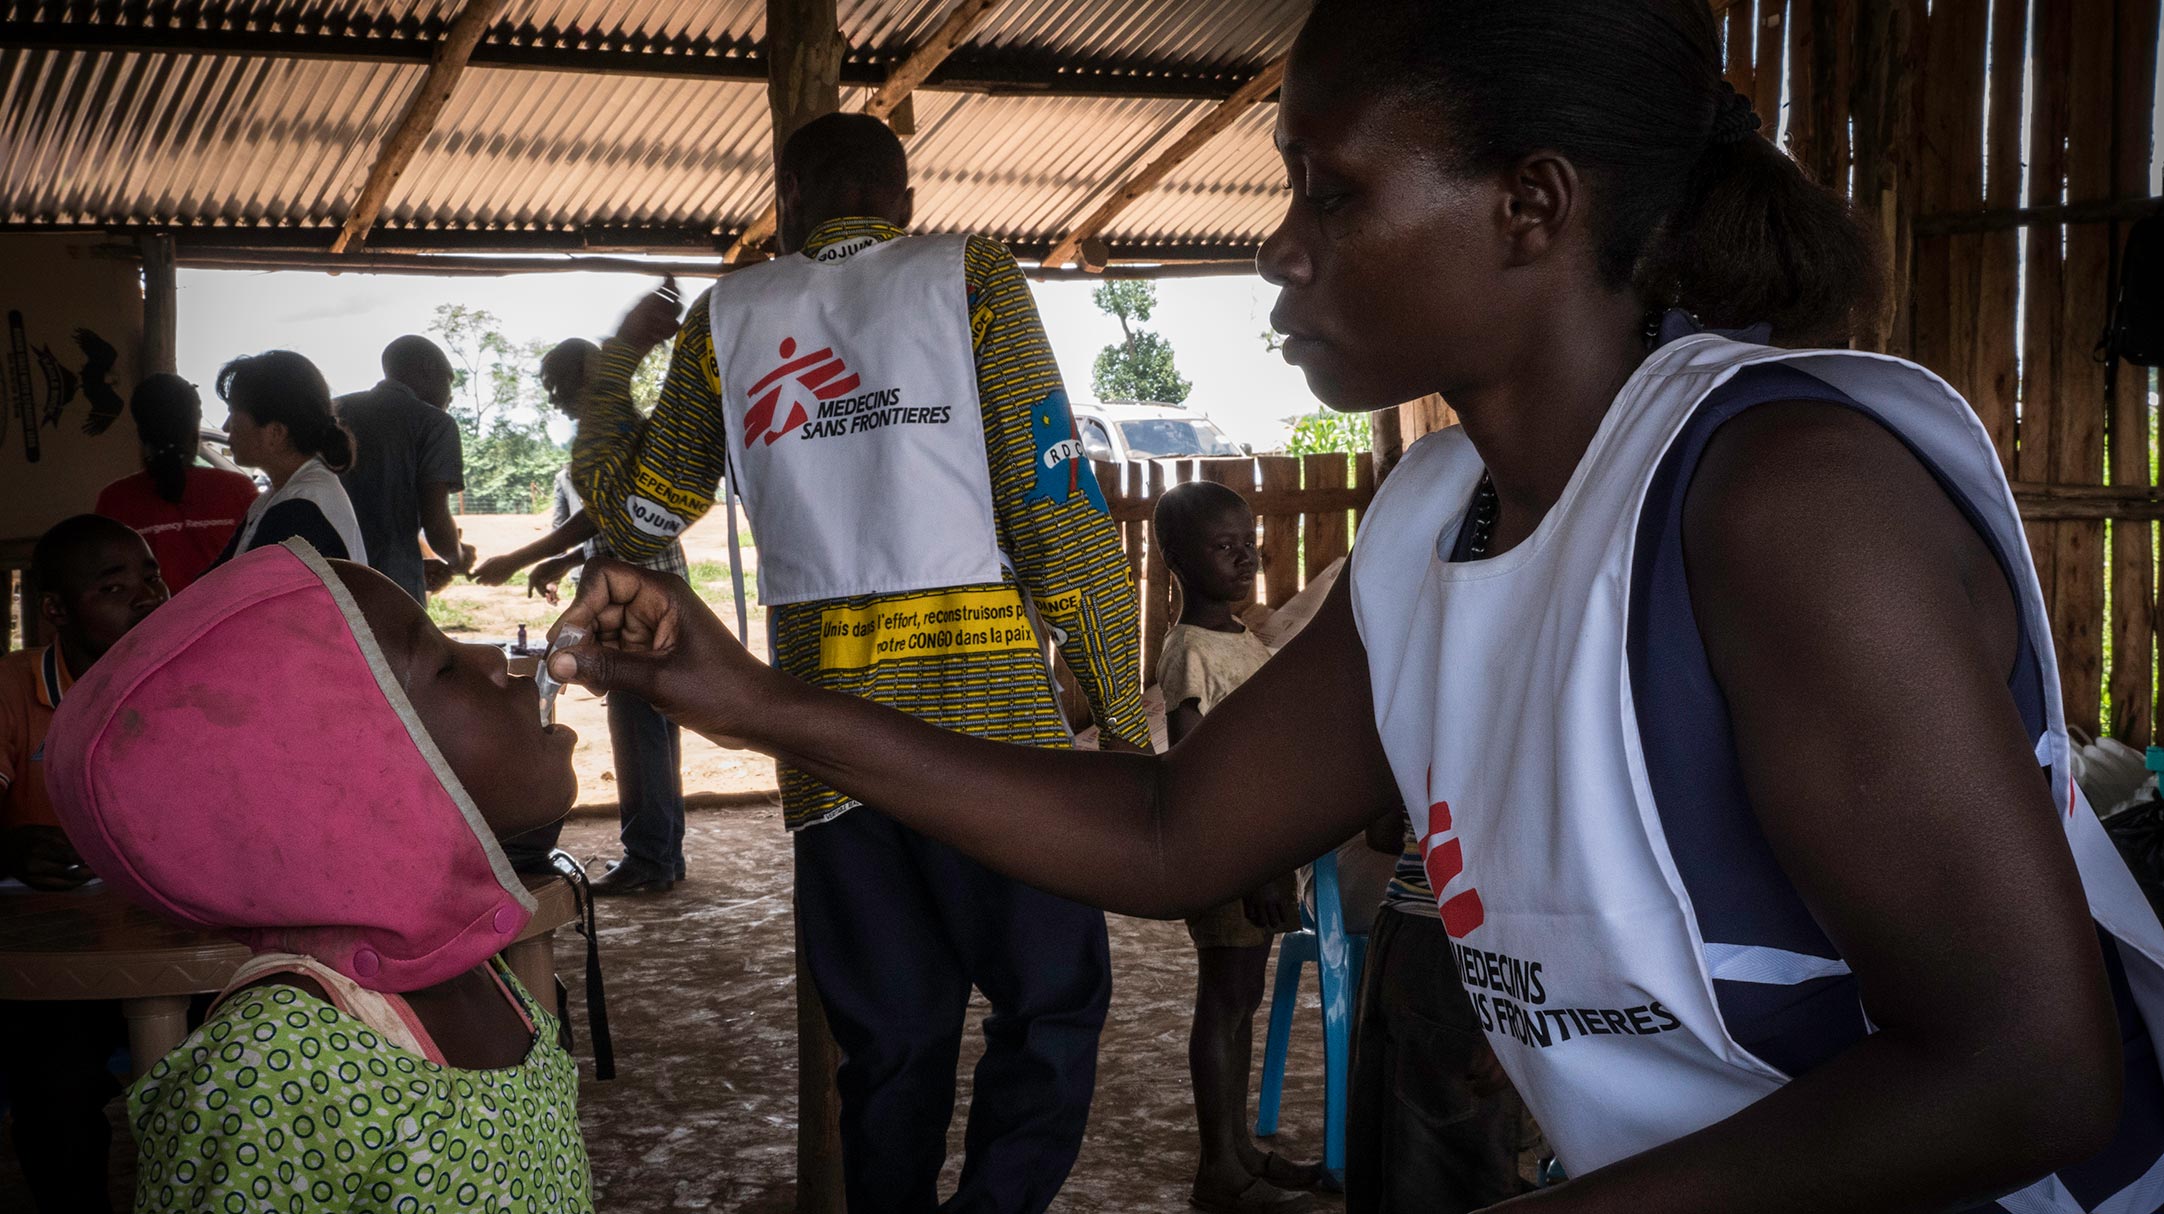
31	684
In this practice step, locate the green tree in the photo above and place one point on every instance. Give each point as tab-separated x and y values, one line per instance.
496	397
492	377
1330	431
1140	367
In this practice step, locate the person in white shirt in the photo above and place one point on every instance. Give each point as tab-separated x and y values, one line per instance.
280	421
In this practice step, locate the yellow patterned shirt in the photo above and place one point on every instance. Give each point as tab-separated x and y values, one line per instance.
1063	546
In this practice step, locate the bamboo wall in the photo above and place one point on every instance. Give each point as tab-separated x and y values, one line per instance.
2004	147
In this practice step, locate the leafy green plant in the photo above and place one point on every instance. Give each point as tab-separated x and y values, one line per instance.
1330	431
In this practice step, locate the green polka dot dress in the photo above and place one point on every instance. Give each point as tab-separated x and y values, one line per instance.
281	1102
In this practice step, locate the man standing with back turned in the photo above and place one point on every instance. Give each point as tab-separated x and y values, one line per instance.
900	438
407	461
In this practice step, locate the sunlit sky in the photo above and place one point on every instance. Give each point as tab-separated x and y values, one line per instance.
1215	326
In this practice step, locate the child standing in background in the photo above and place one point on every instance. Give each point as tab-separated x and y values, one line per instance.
1208	535
374	1054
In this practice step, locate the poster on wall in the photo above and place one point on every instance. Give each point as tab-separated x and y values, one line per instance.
71	333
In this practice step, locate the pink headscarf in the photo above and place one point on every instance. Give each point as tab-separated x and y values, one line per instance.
244	761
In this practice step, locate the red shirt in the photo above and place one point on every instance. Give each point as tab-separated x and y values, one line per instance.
185	536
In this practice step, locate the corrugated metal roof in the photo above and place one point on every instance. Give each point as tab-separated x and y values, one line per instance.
1023	169
1232	191
558	150
188	139
209	140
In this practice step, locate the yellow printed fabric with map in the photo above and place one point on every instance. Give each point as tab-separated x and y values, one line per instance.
964	657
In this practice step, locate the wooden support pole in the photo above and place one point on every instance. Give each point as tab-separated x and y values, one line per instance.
1995	379
161	306
1952	170
1802	111
1885	107
819	1107
426	105
1206	128
804	47
1831	65
2040	344
961	24
1767	70
2006	219
2078	449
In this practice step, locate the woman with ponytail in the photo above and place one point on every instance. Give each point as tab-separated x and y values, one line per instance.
1708	662
281	421
184	511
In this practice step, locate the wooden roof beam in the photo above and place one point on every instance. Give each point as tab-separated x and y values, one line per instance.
961	23
1194	140
445	66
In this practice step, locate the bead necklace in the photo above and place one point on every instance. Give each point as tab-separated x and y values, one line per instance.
1486	507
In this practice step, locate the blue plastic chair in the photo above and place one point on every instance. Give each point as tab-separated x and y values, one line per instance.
1337	958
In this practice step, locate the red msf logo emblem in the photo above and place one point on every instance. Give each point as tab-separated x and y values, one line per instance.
1444	858
822	374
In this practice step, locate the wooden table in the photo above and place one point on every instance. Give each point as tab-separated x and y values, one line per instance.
94	944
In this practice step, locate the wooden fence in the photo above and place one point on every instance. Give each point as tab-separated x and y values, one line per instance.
1306	506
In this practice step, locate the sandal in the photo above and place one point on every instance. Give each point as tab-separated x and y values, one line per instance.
1259	1197
1285	1174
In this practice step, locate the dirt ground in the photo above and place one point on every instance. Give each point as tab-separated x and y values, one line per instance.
702	1114
721	1057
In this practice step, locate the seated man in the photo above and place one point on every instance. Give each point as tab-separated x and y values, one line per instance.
97	579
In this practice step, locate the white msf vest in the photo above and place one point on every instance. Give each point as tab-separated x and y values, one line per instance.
1504	700
855	435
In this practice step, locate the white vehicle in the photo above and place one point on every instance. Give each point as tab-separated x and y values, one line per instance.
1127	429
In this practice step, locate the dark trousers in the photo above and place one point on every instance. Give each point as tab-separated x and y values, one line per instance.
1417	1137
896	929
52	1055
649	755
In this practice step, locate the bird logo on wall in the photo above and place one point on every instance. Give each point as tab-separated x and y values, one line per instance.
59	384
19	386
94	381
99	356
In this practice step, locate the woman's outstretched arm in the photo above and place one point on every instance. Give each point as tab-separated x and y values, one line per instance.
1286	768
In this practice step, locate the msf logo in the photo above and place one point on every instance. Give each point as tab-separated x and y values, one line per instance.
820	375
1444	859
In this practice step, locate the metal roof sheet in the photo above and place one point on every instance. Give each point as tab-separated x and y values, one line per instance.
188	140
218	140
